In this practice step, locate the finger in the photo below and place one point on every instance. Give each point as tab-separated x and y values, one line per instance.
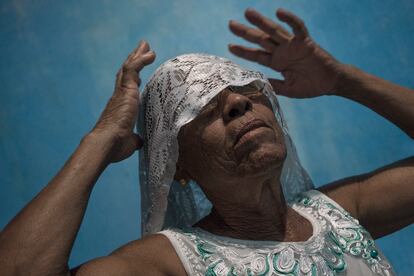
141	49
280	87
130	77
253	35
129	57
252	54
130	144
276	31
138	63
297	24
144	47
119	75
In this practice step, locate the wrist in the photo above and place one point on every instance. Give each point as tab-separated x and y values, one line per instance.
102	138
100	144
349	78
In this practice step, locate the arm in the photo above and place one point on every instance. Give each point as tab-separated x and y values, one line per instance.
151	255
392	101
38	241
382	200
310	71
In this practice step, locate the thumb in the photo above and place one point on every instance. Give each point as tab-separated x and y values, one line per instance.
126	148
138	141
280	87
132	143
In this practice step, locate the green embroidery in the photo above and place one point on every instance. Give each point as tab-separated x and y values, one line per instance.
204	252
374	253
210	270
354	240
305	200
231	272
342	234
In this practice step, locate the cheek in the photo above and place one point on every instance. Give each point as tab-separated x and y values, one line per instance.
203	147
212	138
269	116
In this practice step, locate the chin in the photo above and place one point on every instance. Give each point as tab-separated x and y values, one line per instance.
268	157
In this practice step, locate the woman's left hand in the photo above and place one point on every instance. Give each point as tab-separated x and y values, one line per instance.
309	70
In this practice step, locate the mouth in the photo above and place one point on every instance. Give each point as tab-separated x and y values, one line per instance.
256	123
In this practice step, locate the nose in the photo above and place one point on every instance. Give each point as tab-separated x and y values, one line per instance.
235	105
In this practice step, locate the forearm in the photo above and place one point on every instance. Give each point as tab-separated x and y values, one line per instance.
39	239
392	101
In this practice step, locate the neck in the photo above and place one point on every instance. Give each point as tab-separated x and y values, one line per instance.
264	216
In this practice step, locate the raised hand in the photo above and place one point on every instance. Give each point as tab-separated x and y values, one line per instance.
308	70
117	121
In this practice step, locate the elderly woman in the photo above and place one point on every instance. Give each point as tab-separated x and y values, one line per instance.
223	191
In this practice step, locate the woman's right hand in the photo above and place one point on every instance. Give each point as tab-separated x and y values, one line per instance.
309	70
116	123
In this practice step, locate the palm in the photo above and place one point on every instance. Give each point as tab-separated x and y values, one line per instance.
117	121
309	71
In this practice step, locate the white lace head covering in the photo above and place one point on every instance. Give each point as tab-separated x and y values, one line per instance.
175	94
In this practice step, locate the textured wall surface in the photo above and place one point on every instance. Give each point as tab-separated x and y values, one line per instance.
58	62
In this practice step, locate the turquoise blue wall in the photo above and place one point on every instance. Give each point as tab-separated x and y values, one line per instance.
58	61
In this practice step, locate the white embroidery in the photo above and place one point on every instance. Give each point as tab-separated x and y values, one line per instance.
336	234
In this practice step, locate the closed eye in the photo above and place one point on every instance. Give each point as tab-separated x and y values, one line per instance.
257	96
263	100
208	108
254	94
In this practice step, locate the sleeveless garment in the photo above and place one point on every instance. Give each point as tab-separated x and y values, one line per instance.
339	246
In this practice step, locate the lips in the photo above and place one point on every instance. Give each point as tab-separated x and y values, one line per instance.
256	123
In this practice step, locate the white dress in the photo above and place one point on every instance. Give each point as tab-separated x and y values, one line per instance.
339	246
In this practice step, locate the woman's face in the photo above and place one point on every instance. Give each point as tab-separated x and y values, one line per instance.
236	135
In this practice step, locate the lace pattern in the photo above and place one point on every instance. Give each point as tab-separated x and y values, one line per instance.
336	234
174	95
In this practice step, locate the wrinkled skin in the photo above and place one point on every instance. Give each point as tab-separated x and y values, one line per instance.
308	70
242	183
117	121
208	153
240	177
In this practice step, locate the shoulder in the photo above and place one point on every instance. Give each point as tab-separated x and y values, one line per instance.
151	255
342	200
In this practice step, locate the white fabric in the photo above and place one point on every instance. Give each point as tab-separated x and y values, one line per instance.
339	246
175	94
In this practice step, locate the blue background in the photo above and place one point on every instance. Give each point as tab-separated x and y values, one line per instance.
58	61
